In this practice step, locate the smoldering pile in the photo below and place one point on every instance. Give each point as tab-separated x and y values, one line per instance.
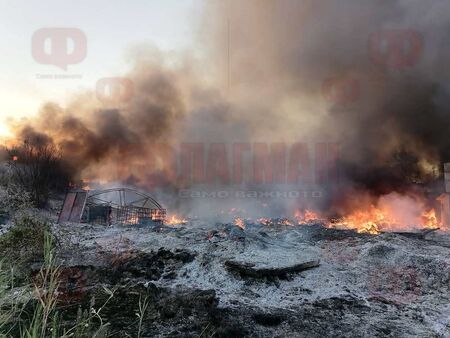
264	280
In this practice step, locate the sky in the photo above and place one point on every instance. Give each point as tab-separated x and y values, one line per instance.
111	28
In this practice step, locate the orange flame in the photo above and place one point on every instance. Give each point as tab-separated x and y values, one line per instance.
286	222
430	220
264	221
306	216
240	223
363	221
374	220
175	220
132	220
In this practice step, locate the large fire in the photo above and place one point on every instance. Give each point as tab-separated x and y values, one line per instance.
391	213
375	221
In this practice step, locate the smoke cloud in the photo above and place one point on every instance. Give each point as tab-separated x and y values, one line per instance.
369	76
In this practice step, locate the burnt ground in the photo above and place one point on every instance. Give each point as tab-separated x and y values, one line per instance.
389	285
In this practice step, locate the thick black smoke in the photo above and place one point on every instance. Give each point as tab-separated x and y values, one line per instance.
93	135
369	75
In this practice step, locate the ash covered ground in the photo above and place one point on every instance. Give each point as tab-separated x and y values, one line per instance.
387	285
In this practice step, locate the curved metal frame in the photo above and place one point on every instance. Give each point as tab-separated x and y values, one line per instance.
122	200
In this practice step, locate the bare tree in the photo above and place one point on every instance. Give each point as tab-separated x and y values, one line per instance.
39	169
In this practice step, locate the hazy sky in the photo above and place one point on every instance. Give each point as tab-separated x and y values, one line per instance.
111	27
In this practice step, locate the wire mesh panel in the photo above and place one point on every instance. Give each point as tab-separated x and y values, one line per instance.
136	215
118	206
99	214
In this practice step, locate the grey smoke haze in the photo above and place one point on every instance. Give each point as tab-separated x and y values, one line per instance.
266	74
275	59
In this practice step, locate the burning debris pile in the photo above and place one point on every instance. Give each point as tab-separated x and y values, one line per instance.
268	278
372	220
377	271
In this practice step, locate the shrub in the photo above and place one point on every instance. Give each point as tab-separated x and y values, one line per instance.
25	239
10	306
13	199
36	313
38	168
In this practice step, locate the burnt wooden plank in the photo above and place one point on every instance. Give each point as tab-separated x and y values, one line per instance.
249	269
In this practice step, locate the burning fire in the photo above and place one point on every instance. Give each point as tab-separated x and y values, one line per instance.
240	223
275	222
392	213
286	222
306	216
175	220
430	220
264	221
132	220
364	221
